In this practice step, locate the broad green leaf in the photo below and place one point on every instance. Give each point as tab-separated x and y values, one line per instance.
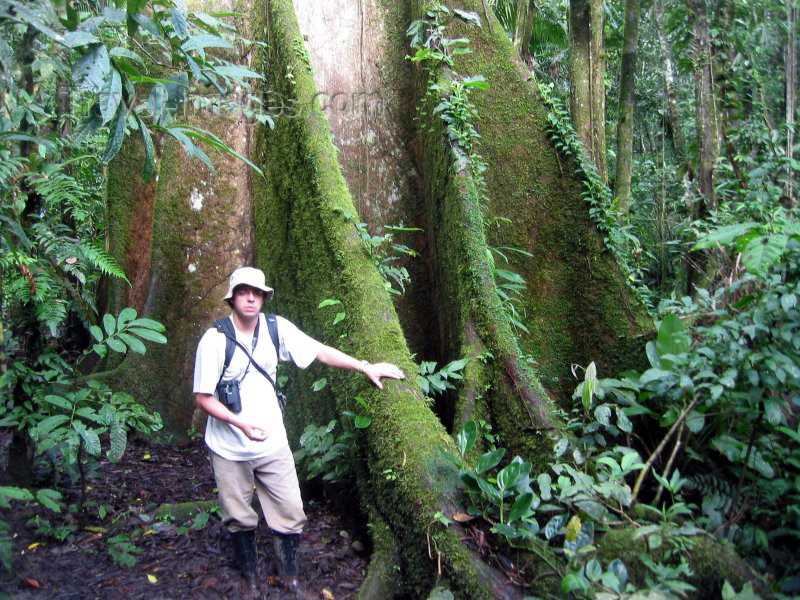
762	252
673	338
521	507
148	324
466	437
490	460
695	421
110	96
594	570
148	334
179	24
133	343
362	421
126	315
468	16
58	401
76	39
560	447
544	482
328	302
120	52
198	42
47	425
622	420
116	345
116	133
571	583
340	316
147	24
618	568
91	442
92	68
603	414
157	101
109	324
149	151
15	493
319	384
553	526
118	439
723	235
49	499
508	475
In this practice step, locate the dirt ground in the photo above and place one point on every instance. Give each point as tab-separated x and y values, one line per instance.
176	556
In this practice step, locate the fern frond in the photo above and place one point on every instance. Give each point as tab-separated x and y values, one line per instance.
52	313
9	169
102	260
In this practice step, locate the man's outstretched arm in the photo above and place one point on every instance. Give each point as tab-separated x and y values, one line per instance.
377	371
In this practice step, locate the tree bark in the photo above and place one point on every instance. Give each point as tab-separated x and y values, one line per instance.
526	14
790	70
627	101
669	83
587	78
705	114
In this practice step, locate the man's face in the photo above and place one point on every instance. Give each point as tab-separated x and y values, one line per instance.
247	301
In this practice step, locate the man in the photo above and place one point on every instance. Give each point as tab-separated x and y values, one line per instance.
249	446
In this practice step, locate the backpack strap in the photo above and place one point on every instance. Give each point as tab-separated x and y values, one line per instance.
225	327
272	325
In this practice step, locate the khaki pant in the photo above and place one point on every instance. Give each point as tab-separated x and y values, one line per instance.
277	487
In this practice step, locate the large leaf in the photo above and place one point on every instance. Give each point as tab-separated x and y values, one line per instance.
198	42
490	460
466	438
91	70
47	425
148	334
76	39
110	96
118	441
723	235
673	338
763	252
116	133
149	151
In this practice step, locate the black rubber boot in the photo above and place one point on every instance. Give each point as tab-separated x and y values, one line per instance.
286	554
244	548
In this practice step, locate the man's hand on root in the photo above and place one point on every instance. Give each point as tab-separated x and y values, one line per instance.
377	371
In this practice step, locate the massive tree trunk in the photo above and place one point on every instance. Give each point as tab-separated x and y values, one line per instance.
627	103
587	70
382	165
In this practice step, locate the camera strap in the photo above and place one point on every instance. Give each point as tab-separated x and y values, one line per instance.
225	326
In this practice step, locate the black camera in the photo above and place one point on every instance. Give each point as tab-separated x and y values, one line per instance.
228	394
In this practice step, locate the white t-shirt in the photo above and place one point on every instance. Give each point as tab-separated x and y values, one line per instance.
259	403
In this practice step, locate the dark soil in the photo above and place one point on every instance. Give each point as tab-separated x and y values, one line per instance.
174	559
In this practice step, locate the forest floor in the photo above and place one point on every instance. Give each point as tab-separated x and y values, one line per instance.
175	556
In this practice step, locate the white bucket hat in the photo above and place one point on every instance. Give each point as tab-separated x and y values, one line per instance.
252	277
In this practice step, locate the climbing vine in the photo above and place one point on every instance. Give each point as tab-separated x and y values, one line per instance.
617	237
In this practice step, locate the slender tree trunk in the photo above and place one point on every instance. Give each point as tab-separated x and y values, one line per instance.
627	100
704	105
597	56
790	63
587	78
526	13
669	82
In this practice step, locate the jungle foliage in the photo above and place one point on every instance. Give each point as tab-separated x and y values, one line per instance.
76	79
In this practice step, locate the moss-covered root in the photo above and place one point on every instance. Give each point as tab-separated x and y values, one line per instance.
311	252
183	511
712	562
381	581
